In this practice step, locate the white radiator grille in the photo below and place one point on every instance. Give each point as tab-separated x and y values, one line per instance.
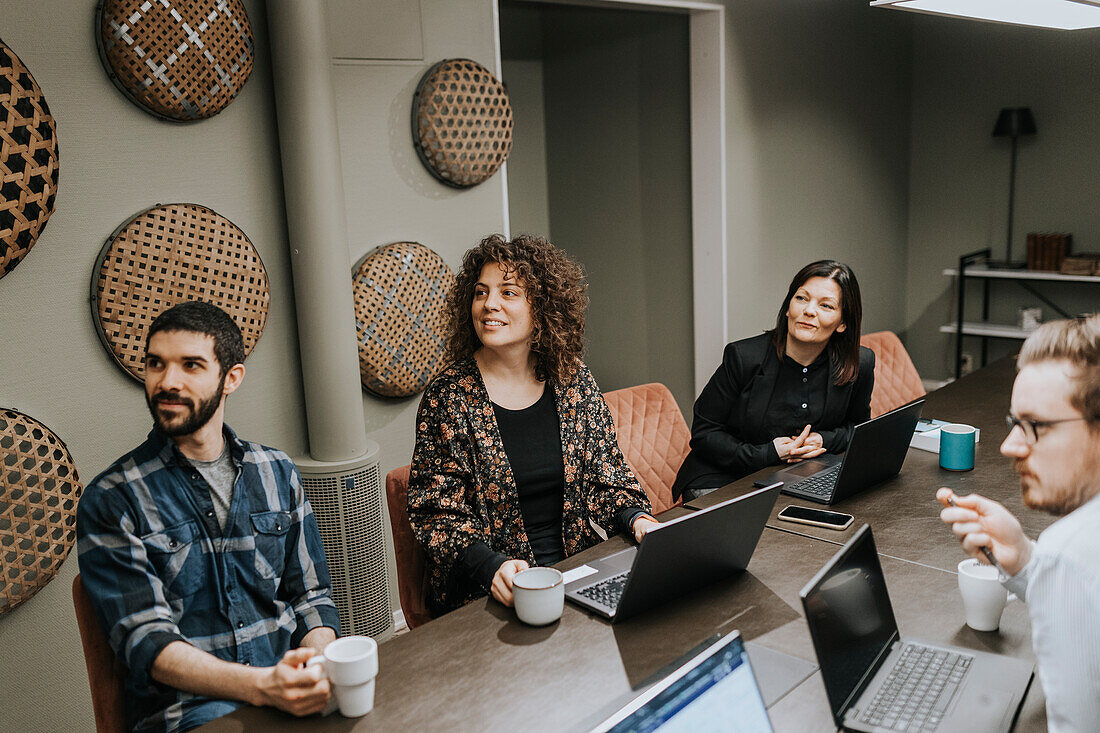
349	510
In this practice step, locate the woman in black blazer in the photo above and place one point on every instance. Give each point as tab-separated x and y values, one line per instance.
789	394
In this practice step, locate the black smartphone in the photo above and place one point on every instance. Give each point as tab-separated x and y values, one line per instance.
816	517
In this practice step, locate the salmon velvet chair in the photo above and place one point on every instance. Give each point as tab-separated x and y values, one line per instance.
106	674
411	579
896	379
652	435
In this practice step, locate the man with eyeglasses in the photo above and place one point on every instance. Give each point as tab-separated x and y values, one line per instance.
1054	443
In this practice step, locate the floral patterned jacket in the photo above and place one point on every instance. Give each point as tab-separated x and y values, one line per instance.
461	488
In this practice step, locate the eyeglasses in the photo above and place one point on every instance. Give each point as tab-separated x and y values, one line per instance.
1031	428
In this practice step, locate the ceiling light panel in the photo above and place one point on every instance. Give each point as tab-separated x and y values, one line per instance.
1059	14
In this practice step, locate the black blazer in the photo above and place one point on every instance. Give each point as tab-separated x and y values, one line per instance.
728	440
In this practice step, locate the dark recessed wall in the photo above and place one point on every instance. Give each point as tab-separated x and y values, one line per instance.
614	151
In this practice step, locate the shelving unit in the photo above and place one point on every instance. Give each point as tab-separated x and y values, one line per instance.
982	271
988	330
971	266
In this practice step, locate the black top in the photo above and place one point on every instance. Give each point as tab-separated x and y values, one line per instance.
798	399
752	393
532	441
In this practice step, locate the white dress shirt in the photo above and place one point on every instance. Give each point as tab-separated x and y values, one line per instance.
1061	585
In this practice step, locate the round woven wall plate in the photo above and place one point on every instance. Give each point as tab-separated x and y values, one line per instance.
399	294
28	161
38	497
461	122
167	255
177	59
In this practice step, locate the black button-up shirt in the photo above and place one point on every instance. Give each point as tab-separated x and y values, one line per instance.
798	399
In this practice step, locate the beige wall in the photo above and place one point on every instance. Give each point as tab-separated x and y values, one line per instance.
391	197
116	160
963	74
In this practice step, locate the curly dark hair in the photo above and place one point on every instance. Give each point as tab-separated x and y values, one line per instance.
555	289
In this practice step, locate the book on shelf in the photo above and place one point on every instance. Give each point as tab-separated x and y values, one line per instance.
1047	251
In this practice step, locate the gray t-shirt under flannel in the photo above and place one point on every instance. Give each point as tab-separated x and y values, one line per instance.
221	474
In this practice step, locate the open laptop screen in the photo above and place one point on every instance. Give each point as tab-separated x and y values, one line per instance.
851	620
716	690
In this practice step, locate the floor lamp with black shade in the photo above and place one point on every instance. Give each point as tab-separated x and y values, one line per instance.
1013	122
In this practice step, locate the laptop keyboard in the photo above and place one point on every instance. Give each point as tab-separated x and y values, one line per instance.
607	592
820	485
918	689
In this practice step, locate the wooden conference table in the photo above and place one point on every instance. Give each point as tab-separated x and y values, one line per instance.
479	668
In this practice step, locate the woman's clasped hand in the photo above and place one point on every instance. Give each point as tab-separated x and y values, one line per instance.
799	447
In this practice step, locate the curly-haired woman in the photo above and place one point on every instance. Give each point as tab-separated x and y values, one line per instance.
516	455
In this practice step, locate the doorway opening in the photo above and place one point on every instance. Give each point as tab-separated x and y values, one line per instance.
616	160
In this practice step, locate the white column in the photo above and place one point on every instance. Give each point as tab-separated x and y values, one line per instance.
314	191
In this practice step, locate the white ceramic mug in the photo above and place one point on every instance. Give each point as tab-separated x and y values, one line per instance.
983	596
539	595
351	664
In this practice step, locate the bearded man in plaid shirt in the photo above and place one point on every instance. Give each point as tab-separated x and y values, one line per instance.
200	551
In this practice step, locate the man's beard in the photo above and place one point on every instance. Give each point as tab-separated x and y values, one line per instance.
1076	494
194	420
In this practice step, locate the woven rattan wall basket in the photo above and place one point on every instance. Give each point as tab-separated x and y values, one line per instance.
167	255
38	497
179	60
28	161
399	294
461	122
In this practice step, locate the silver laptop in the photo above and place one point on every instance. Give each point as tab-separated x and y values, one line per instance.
875	453
675	558
876	681
715	690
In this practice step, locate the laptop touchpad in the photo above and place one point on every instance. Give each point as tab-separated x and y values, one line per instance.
981	709
620	561
806	468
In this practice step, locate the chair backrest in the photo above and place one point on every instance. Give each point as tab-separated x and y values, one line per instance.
411	578
896	379
653	436
106	675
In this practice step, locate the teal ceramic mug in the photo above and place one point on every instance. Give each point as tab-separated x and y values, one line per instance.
957	447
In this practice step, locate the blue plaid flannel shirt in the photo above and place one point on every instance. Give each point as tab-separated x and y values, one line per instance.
159	569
